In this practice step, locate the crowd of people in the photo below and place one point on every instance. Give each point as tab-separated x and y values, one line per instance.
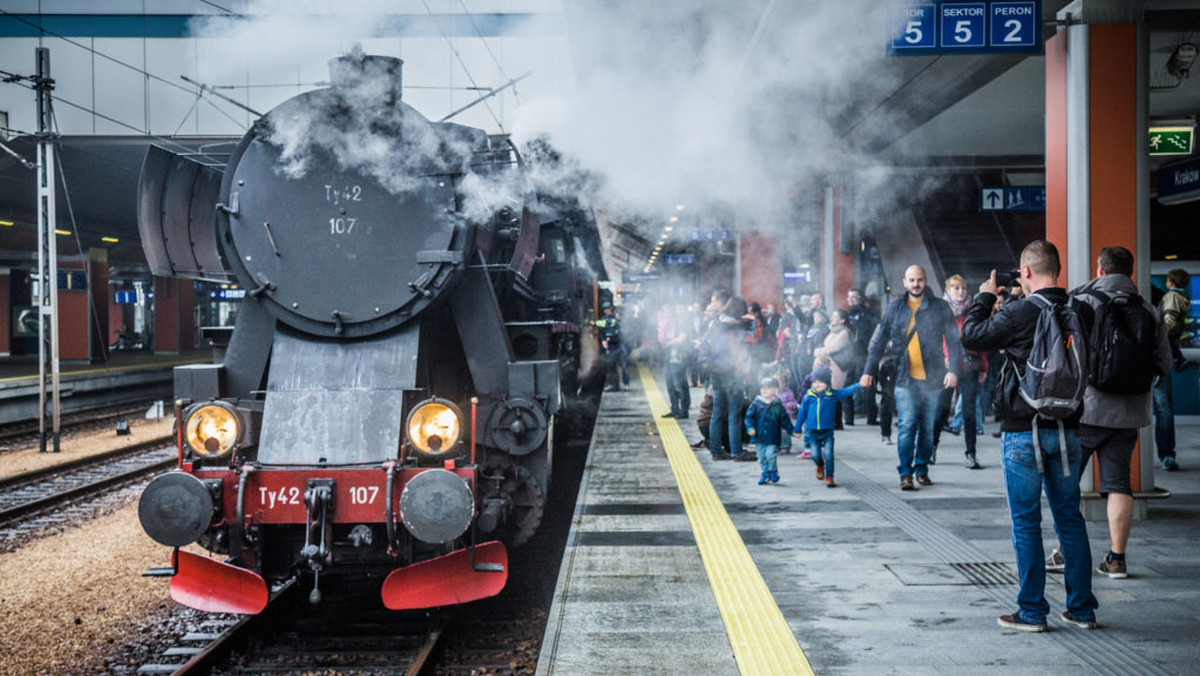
941	364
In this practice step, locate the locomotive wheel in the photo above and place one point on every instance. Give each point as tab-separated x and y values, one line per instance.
525	494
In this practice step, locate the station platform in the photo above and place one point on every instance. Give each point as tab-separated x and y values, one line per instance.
677	564
127	376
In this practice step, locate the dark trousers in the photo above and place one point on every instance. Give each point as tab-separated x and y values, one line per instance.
968	387
726	413
677	389
887	407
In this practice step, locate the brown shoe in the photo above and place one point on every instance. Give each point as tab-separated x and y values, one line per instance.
820	471
906	483
923	479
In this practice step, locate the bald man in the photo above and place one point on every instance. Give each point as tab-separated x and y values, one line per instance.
912	333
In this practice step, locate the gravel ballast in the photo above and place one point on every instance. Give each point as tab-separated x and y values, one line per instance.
69	600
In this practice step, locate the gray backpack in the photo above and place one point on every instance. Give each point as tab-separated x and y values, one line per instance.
1056	371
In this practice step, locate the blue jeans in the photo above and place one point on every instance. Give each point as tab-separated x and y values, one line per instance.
821	442
916	413
1164	418
766	458
1024	485
727	411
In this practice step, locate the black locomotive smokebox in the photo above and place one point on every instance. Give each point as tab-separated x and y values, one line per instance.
340	240
175	509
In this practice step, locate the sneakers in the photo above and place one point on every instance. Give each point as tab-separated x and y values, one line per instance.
1082	624
829	482
924	480
720	455
952	430
971	463
1014	621
1113	568
763	480
1170	465
746	457
807	455
1055	563
906	483
886	441
820	471
667	415
774	477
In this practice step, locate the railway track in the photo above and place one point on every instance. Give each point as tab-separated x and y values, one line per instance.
350	635
29	502
15	435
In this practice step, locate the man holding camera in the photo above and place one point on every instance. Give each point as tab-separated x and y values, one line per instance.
1013	330
914	330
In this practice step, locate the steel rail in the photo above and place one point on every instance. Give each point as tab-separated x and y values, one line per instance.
79	463
17	511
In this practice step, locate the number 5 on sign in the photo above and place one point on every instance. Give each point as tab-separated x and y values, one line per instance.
914	27
963	24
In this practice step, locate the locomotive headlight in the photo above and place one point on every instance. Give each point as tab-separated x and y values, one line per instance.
212	429
434	425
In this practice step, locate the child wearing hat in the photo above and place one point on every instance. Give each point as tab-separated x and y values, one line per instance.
766	421
816	418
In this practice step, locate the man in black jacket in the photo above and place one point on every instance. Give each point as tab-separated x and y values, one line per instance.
1012	330
914	330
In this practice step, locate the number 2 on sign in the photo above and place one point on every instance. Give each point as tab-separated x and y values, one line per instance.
1014	30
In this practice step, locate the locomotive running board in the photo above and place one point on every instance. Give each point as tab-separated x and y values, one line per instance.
217	587
455	578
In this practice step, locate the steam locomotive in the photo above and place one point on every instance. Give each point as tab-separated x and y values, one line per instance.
384	406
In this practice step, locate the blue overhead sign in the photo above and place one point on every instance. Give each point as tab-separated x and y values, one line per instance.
980	27
680	259
964	25
1179	183
701	235
914	27
1024	198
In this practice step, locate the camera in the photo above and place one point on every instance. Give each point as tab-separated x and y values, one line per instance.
1007	278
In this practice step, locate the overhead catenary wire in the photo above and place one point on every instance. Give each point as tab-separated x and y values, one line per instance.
488	47
462	63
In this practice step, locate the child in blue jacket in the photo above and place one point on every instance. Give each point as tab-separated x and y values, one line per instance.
766	422
816	418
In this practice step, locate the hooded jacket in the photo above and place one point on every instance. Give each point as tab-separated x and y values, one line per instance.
1110	409
768	419
817	409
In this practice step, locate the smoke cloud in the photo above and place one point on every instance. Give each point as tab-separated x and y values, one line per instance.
728	108
719	106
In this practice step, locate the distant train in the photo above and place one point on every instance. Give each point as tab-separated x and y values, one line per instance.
384	407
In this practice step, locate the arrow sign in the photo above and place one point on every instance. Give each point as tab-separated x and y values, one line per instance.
991	199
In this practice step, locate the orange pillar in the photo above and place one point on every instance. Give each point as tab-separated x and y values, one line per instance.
761	269
173	323
1097	191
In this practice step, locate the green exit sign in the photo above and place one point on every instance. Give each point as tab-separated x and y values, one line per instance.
1171	140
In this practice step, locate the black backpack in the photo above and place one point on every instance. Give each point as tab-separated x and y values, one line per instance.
1124	339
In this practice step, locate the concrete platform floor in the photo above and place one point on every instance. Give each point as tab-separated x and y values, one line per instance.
870	580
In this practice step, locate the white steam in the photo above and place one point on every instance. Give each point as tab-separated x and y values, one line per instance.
716	105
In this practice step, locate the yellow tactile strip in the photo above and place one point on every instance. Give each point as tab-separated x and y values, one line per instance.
762	642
